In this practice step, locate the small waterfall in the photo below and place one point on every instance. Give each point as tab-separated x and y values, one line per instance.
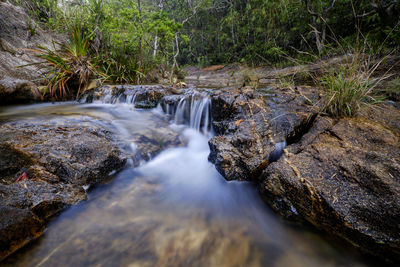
131	99
192	110
140	96
278	151
112	95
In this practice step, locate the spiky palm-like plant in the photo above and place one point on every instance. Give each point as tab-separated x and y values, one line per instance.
69	67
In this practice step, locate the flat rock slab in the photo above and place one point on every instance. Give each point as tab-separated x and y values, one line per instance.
19	78
43	167
14	90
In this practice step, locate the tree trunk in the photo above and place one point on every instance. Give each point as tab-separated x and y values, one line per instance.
155	47
140	43
175	63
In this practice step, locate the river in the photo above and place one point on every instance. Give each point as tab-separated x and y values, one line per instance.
173	209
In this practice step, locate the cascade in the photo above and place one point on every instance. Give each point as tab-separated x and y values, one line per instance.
192	110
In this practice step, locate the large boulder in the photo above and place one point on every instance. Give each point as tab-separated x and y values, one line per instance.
253	125
343	177
44	166
18	76
340	175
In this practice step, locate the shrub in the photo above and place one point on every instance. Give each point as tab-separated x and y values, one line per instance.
119	67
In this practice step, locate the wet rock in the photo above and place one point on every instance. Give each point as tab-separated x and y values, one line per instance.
14	90
57	157
11	161
77	155
150	144
17	228
344	178
250	123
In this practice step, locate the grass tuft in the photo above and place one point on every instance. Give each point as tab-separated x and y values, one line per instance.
350	86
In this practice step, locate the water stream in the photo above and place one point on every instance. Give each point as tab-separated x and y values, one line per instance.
172	210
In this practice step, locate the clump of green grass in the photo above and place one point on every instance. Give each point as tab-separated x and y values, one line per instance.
350	86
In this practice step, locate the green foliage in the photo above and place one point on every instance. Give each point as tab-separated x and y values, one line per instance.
121	37
255	32
349	86
118	67
261	32
68	67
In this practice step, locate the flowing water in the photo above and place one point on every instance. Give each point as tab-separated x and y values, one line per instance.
172	210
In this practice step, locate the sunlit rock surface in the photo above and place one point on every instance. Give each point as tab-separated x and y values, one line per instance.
344	178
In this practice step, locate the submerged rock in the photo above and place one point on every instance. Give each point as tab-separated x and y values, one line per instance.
55	159
344	178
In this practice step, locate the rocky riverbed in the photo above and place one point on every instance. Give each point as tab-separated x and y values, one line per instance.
341	176
43	168
49	158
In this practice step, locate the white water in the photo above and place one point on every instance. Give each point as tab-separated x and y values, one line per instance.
194	111
106	96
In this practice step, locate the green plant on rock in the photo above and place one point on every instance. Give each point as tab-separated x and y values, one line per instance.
69	67
350	86
119	67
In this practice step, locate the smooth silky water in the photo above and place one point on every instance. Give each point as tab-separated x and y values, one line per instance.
173	210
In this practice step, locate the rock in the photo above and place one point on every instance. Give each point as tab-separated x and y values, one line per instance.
250	123
148	145
147	96
344	178
76	153
18	91
17	228
16	36
5	46
57	156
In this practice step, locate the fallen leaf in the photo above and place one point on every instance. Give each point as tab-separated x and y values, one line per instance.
22	177
238	122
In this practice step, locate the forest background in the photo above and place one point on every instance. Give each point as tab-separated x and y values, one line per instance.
125	41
